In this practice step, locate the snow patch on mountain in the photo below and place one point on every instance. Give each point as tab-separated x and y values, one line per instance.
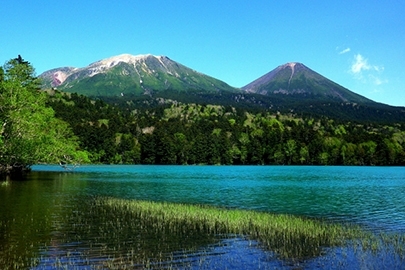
114	60
105	64
291	65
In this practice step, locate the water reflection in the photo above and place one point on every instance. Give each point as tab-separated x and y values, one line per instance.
372	196
95	235
50	219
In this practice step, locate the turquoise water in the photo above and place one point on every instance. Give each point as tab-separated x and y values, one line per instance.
373	196
43	218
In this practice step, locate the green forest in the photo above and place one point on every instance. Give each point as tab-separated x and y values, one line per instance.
49	126
177	133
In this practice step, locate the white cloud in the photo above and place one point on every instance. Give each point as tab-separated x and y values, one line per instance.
378	68
359	64
365	72
345	51
377	80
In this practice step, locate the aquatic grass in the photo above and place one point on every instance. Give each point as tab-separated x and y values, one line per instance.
291	237
114	233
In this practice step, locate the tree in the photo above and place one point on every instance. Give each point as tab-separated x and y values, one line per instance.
304	154
30	133
289	150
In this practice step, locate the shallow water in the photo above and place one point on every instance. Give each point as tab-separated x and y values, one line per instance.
47	217
373	196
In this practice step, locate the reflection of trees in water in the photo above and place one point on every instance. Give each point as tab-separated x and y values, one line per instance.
33	218
48	230
46	224
25	222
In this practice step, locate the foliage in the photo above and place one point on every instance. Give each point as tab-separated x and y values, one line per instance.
29	131
170	132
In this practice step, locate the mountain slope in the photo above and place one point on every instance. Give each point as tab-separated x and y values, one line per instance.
295	79
296	88
148	81
134	75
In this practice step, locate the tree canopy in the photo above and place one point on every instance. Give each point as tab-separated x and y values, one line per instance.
29	131
177	133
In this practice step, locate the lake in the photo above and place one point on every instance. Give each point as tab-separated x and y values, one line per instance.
47	221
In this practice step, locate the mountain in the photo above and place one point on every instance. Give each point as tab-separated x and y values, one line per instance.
147	81
131	75
296	79
296	88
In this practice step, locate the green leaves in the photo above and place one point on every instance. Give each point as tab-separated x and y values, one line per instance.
189	133
30	132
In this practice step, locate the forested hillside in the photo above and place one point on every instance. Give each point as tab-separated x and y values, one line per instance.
171	132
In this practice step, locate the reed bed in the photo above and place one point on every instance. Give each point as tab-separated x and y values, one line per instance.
291	237
110	233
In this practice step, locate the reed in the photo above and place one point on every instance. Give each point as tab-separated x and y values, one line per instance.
112	233
289	236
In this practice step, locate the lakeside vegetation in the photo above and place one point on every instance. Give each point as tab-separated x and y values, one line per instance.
291	238
120	233
170	132
29	131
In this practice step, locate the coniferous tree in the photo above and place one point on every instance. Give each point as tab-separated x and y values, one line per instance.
29	132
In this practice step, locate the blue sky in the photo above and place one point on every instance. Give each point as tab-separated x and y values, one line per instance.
358	44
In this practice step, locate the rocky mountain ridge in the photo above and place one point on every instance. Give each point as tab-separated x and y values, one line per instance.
129	74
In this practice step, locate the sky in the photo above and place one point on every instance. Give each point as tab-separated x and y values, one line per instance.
357	44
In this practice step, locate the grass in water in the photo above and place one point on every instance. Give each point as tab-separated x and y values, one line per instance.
291	237
117	233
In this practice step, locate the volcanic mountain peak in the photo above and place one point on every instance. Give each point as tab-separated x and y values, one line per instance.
59	75
126	58
296	79
293	67
108	63
290	64
131	74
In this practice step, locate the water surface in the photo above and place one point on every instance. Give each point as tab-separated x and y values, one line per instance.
373	196
47	217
